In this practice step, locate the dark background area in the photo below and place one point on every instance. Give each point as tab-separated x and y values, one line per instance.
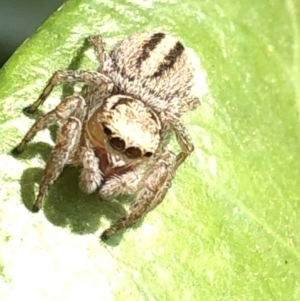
19	19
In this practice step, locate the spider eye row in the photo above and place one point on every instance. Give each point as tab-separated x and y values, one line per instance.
118	144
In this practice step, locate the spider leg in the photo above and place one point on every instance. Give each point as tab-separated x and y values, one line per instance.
182	136
190	104
155	188
99	48
65	143
67	76
65	109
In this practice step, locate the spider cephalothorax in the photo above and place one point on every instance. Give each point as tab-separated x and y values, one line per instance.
131	128
117	128
125	132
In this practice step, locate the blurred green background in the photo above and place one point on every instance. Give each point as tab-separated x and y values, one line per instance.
19	19
229	227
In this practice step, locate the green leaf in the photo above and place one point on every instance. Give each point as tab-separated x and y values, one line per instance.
229	227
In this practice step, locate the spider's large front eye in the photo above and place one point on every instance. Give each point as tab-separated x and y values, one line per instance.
106	130
117	143
133	152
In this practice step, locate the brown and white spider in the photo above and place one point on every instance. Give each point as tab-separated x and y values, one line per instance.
116	130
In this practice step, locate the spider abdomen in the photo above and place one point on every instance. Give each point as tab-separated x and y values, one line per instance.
153	66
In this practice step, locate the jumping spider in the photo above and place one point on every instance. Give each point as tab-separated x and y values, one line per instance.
117	128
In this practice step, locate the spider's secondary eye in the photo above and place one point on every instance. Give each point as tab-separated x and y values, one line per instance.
148	154
133	152
117	143
106	130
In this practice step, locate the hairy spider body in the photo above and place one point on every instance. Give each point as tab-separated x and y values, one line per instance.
154	68
117	128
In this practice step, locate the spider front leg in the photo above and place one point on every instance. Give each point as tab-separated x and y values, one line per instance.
156	185
64	110
65	144
66	141
182	136
67	76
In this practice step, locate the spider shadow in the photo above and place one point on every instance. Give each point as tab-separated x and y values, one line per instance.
65	204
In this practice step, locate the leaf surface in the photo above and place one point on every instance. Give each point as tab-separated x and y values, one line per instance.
229	227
